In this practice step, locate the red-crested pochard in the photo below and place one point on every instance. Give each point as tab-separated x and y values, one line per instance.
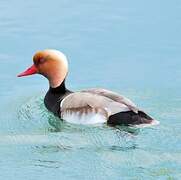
87	106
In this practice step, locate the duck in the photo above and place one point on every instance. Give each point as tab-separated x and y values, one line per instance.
89	106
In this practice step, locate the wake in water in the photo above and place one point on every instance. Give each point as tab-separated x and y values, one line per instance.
40	128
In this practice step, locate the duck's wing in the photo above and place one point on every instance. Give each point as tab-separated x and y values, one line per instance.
115	97
86	103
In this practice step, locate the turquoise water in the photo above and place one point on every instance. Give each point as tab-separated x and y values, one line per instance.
132	47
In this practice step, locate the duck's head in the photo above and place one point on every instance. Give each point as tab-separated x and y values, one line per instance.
52	64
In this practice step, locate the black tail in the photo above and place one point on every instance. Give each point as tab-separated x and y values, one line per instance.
129	118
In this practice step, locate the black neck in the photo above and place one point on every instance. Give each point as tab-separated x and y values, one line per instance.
60	89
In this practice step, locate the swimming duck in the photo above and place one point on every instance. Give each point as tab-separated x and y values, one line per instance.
89	106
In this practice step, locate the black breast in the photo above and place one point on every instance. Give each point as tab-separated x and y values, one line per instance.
54	96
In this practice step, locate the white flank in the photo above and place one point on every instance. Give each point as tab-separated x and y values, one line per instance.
89	118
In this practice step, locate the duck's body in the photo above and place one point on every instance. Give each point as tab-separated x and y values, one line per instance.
94	106
90	106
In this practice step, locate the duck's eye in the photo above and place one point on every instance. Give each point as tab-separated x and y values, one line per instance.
42	60
39	61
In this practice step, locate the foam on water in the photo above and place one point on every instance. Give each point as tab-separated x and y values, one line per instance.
153	123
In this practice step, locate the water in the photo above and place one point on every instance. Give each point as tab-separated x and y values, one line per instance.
132	47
